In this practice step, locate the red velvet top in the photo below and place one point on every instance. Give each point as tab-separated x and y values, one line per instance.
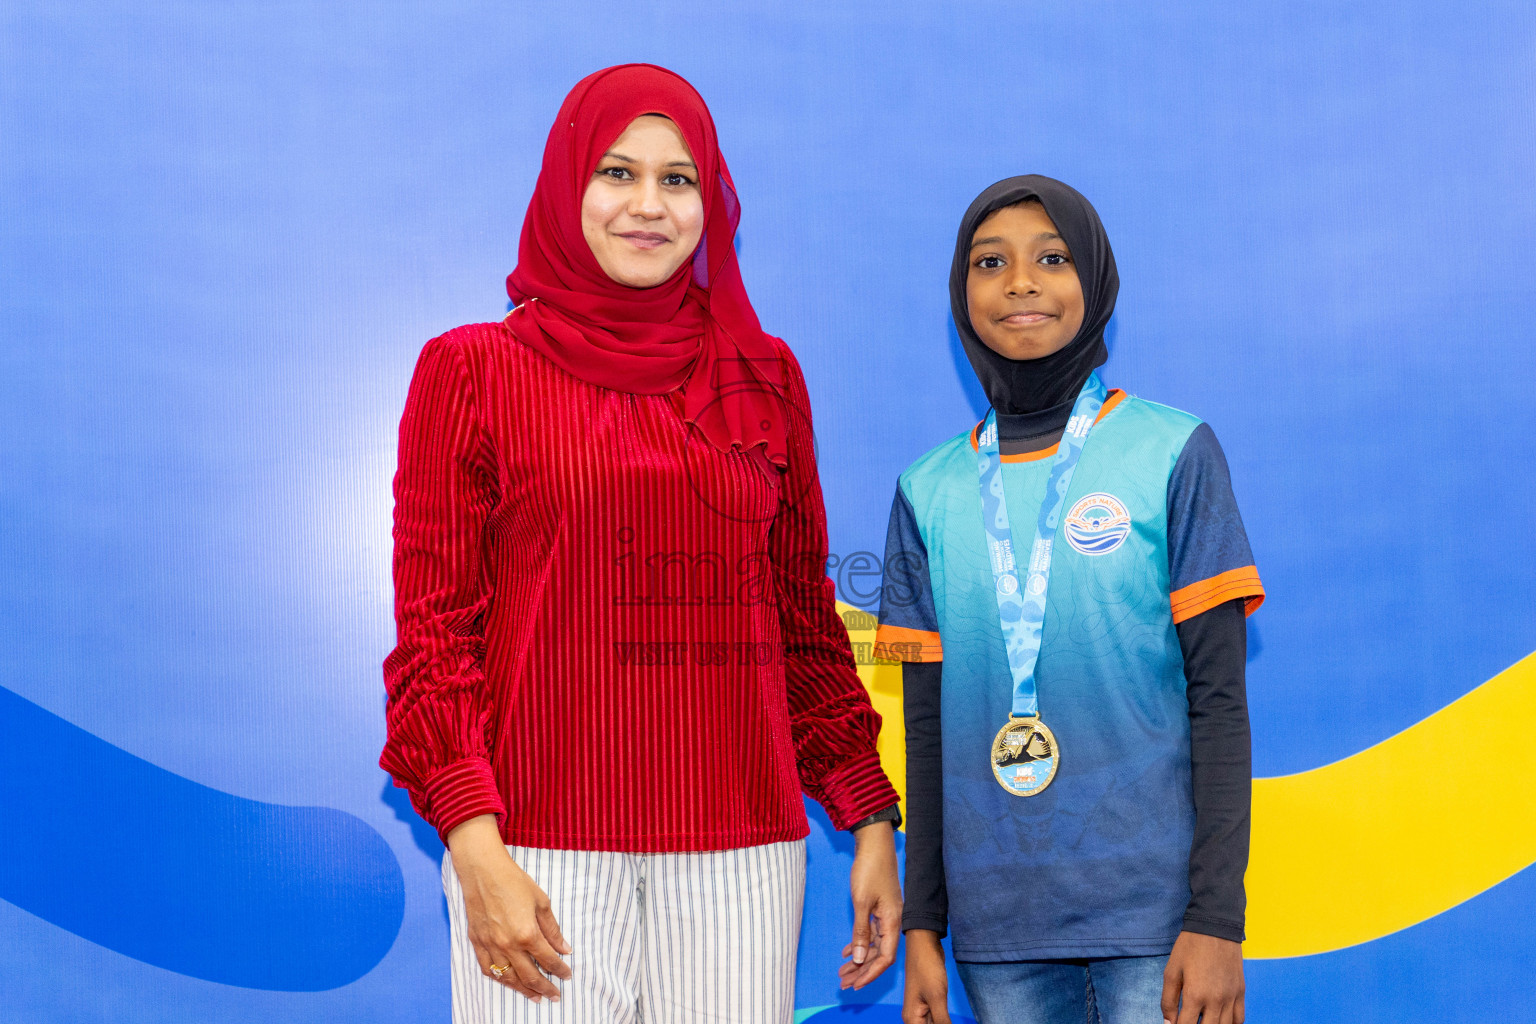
612	634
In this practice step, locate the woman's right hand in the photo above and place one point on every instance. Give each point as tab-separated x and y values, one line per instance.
511	924
926	999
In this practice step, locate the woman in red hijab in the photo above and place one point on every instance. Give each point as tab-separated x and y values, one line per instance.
619	660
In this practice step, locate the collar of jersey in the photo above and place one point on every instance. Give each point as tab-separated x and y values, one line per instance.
1114	399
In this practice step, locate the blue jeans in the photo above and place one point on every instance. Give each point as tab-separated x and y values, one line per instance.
1114	990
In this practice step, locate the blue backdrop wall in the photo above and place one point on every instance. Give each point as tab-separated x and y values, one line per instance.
227	229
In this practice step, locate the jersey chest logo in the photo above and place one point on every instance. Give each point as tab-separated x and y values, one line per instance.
1098	524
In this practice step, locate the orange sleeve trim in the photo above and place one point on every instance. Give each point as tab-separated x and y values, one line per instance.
1114	399
898	643
1187	602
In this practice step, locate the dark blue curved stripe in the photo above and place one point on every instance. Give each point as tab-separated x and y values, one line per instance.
1090	541
185	877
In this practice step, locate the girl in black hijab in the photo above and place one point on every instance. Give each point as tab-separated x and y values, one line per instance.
1029	387
1077	926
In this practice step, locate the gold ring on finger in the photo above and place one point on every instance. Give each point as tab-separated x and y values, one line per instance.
500	969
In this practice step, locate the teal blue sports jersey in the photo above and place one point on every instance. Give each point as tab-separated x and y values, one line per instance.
1097	864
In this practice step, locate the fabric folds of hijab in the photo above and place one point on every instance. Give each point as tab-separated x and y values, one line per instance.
1016	386
695	335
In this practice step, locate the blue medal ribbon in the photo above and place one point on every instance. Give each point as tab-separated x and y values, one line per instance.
1022	609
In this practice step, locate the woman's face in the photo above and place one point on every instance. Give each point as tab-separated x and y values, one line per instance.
642	213
1022	287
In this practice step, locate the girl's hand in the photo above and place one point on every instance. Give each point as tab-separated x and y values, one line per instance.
926	999
876	906
510	922
1205	975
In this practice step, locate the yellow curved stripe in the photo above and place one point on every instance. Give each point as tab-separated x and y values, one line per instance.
1399	832
1367	846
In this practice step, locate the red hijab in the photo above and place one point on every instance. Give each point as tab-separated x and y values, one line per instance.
695	335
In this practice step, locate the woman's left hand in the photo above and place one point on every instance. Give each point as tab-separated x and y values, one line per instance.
876	906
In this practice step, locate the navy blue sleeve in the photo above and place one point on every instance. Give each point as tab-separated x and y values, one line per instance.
1209	560
909	632
1213	586
1215	648
927	899
909	626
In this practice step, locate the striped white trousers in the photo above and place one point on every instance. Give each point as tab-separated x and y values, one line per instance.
661	938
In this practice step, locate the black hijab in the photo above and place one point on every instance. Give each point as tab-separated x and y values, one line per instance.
1017	386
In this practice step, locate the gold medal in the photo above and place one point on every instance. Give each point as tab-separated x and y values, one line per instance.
1024	756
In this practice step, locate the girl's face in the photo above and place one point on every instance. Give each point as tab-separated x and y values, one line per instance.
1022	288
642	213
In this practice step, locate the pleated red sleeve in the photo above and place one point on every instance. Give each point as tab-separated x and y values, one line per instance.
439	711
834	725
